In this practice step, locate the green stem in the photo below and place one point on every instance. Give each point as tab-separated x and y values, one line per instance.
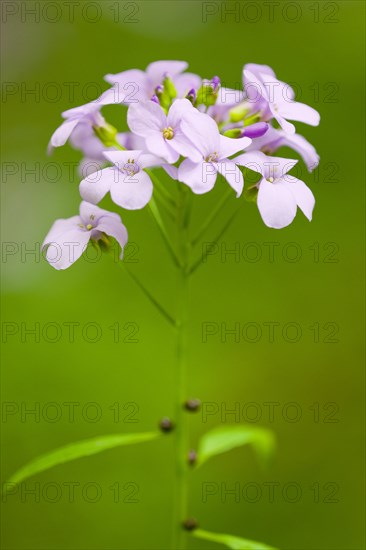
201	260
182	434
211	217
160	223
161	187
148	294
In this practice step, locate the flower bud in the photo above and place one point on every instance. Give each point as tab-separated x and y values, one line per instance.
192	457
258	129
163	97
190	524
166	425
191	96
208	92
192	405
169	87
238	113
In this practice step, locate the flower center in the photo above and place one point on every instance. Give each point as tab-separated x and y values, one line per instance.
168	132
271	180
89	226
131	167
213	157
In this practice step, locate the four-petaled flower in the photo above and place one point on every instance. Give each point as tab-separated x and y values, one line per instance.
163	133
88	114
279	193
68	238
276	97
214	150
128	183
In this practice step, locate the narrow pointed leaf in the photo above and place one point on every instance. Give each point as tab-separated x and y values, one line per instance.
79	449
236	543
225	438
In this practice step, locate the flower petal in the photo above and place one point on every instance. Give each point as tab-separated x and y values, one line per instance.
160	147
230	146
172	171
276	204
229	170
60	227
132	192
129	86
63	132
67	247
158	69
200	177
254	160
95	186
146	118
185	82
303	147
303	196
202	131
300	112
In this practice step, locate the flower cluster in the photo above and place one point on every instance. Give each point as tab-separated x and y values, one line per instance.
192	128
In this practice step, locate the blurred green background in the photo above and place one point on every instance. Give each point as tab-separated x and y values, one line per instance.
320	47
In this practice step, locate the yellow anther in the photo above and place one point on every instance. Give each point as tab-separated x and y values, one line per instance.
168	133
89	226
213	157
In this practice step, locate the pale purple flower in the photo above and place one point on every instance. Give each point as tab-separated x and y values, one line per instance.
68	238
274	139
261	83
279	194
162	132
129	185
87	115
136	85
83	138
214	150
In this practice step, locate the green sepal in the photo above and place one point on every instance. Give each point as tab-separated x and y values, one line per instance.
233	133
237	114
206	95
107	134
169	88
250	194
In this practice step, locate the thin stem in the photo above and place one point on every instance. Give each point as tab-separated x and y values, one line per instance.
182	435
161	187
148	294
215	241
224	199
160	223
168	209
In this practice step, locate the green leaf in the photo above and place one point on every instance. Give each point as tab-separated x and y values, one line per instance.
224	438
79	449
236	543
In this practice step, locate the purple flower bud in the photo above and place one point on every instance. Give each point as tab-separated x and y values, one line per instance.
216	82
255	130
159	89
155	99
191	95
